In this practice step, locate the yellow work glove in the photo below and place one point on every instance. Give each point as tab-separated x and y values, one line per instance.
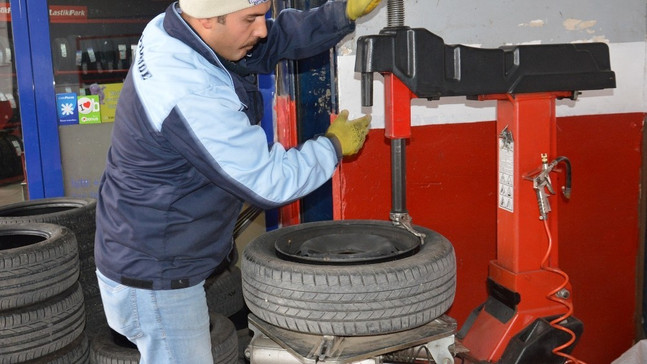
357	8
349	136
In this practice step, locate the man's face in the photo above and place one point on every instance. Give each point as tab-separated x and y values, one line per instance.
235	34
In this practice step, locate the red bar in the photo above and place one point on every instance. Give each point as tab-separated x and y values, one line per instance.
397	108
286	130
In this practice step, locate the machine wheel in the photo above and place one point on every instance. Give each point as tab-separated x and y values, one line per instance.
117	349
288	282
37	261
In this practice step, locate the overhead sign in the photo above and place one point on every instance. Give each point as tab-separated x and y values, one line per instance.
57	13
67	13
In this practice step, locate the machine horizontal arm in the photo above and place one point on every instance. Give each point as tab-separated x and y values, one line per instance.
431	69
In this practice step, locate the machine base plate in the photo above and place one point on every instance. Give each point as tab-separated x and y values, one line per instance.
329	349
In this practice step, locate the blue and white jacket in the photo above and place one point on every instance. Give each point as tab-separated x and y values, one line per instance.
185	155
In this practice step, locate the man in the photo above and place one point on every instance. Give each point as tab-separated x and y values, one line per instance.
186	152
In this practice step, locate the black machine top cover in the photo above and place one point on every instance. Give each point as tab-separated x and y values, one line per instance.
431	69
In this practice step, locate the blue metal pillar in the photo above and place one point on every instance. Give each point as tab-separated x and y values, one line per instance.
35	74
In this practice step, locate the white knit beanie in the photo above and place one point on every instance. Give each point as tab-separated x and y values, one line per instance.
211	8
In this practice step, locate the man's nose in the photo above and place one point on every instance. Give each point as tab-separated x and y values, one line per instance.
260	27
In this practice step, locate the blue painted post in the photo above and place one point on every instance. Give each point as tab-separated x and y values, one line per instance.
35	75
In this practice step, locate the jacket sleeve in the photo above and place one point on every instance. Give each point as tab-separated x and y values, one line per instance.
296	34
220	143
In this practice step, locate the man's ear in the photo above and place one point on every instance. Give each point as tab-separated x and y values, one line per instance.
207	23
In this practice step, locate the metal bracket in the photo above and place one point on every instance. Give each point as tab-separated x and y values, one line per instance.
439	350
275	345
404	220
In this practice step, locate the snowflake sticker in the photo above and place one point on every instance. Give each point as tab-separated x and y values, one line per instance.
67	109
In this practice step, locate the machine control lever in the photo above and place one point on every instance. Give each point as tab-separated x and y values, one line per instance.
543	186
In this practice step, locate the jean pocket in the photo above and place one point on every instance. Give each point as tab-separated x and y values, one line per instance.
109	285
118	306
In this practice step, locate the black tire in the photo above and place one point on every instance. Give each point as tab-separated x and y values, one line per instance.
225	292
113	348
109	347
76	214
37	261
224	340
348	299
95	316
7	157
10	156
41	329
16	151
78	352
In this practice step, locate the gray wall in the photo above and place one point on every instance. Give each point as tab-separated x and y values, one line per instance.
490	24
498	22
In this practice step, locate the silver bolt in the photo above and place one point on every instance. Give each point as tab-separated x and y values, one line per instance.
563	293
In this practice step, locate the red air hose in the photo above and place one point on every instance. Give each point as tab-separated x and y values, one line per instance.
553	296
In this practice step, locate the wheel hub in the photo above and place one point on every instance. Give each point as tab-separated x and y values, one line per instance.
347	244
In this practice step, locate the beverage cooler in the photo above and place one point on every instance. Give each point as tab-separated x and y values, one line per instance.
63	63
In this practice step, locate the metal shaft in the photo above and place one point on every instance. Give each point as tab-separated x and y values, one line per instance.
395	13
395	18
398	176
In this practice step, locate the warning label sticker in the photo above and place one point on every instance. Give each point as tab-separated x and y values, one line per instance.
506	170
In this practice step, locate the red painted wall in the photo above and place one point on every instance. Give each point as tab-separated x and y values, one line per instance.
451	188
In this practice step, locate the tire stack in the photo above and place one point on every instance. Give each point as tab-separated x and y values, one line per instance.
58	276
78	215
224	298
42	316
116	349
50	304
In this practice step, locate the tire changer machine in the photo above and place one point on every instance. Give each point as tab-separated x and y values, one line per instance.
527	317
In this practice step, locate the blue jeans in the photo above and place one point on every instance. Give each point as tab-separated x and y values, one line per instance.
168	327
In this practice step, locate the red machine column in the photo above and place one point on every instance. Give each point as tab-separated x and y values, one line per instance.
522	277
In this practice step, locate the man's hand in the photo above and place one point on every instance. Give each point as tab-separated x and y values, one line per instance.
357	8
348	135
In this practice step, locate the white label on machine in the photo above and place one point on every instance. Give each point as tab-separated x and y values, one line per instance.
506	170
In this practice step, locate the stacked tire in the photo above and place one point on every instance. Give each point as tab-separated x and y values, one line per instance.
78	215
116	349
50	304
348	278
76	219
42	315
